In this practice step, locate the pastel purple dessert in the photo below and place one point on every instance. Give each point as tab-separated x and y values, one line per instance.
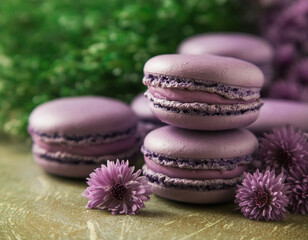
73	136
278	113
203	92
147	120
197	166
247	47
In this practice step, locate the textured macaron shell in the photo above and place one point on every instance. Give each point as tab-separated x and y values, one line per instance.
189	196
181	143
243	46
208	123
80	116
224	70
65	170
277	113
77	165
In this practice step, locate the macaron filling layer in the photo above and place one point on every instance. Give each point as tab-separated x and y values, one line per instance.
195	173
229	92
192	96
94	149
67	158
204	109
85	139
189	184
218	164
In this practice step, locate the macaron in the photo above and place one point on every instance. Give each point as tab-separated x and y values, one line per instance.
73	136
197	166
203	92
247	47
147	120
278	113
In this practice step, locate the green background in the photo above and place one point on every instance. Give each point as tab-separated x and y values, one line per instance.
57	48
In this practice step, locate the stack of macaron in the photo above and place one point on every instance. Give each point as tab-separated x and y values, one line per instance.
73	136
206	100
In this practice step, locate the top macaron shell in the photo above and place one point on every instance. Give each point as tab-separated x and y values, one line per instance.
224	70
186	144
244	46
80	116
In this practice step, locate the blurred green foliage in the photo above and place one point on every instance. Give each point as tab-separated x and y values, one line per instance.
57	48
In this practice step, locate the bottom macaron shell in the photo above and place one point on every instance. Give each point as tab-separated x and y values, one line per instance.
188	196
72	170
210	123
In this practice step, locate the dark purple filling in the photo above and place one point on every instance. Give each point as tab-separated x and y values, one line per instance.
69	160
166	182
219	163
204	113
90	138
240	92
76	161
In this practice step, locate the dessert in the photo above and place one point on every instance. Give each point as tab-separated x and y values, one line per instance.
73	136
247	47
147	120
203	92
197	166
278	113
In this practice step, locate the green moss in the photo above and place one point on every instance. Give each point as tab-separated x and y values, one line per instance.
58	48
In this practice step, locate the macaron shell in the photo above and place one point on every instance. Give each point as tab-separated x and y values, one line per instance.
277	113
71	170
208	123
79	116
181	143
243	46
66	170
224	70
198	197
141	107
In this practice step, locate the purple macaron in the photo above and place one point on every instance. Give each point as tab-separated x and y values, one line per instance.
73	136
203	92
278	113
147	120
247	47
197	166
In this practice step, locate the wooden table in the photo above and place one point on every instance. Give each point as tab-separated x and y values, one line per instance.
36	205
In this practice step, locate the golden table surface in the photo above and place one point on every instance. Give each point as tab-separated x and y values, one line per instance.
36	205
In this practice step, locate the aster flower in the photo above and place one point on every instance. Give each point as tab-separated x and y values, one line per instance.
283	149
263	196
291	25
116	188
298	196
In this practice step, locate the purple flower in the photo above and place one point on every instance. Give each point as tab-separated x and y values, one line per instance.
283	149
285	90
291	25
298	196
116	188
263	196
